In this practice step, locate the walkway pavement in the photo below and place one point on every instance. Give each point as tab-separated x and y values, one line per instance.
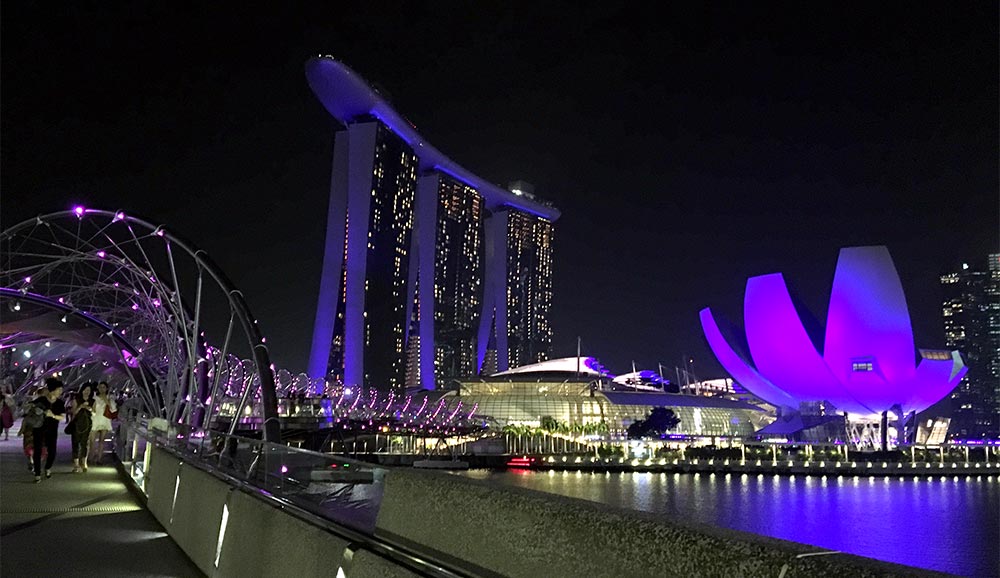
78	524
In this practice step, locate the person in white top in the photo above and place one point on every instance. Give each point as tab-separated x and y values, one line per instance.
104	408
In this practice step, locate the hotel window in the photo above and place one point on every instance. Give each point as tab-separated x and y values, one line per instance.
862	366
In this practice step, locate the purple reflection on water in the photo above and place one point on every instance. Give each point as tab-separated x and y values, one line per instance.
945	524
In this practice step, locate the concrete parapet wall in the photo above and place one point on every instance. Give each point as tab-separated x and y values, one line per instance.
364	564
160	478
197	515
264	541
516	532
260	538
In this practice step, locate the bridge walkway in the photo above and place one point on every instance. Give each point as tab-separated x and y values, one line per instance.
85	524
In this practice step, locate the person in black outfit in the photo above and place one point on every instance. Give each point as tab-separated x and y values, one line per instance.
45	436
82	409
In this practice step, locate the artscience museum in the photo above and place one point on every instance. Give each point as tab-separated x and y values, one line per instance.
864	366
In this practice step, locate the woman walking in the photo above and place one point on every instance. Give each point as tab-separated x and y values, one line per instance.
104	409
80	426
44	437
7	413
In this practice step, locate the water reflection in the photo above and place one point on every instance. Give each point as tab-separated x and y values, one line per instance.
950	524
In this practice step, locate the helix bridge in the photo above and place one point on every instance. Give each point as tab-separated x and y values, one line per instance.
90	294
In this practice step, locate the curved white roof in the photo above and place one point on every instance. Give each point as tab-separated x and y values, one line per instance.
588	366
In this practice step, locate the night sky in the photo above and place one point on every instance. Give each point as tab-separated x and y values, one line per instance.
688	147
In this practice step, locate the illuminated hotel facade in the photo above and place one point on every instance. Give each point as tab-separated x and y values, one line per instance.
426	265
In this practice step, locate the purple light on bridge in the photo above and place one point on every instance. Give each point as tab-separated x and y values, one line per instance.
867	363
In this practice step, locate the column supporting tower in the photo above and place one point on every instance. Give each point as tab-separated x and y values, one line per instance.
425	217
333	260
495	292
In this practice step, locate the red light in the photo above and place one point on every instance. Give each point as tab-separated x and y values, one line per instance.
520	462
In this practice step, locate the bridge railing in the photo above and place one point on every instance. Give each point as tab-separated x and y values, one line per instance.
342	490
213	476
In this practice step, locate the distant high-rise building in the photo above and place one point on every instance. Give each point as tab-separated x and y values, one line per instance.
425	263
971	312
458	277
529	288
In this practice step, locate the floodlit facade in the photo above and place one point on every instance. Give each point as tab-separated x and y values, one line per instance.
865	366
429	271
582	395
517	399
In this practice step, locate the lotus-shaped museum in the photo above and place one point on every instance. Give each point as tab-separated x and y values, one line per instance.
866	364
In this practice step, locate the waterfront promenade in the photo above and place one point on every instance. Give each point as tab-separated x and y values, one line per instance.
78	524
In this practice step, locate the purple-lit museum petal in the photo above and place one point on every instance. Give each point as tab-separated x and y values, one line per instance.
867	365
747	376
872	387
868	319
933	380
781	349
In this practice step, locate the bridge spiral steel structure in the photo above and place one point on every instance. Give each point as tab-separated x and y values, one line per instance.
120	293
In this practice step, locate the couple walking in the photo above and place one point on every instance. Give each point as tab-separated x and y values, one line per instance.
90	415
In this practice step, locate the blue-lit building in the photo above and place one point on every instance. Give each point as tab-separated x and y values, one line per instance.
426	265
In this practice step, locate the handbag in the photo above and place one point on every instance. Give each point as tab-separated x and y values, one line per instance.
110	414
70	428
34	416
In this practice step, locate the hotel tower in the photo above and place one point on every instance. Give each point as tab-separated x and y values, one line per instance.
429	272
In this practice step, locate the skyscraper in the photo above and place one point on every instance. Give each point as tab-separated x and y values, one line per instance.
971	312
366	268
458	276
529	288
426	264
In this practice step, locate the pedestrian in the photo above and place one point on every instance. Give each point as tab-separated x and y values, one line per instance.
26	430
105	409
44	437
80	426
7	413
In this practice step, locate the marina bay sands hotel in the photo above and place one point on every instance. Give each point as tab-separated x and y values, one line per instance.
429	271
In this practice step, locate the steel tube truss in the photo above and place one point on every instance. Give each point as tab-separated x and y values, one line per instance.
161	300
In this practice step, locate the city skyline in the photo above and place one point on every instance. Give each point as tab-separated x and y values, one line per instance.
675	186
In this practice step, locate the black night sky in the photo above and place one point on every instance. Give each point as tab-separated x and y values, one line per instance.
688	147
